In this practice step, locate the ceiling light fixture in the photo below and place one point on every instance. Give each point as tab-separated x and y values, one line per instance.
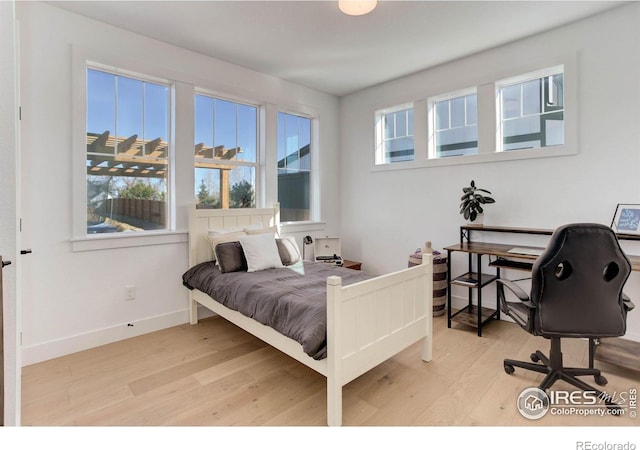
357	7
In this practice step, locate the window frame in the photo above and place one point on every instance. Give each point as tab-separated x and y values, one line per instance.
258	187
518	79
82	60
379	134
485	79
314	176
431	114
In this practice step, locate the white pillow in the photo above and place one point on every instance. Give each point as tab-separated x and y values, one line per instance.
261	252
269	230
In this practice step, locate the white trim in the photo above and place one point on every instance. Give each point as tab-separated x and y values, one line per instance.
485	88
81	60
122	240
72	344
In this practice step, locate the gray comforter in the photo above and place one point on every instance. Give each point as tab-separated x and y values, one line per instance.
292	300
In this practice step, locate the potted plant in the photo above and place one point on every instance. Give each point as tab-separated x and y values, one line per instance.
472	201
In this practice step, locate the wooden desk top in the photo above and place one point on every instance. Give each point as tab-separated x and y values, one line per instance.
488	248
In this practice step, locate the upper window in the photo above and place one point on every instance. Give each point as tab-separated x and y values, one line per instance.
226	142
454	125
394	135
532	110
127	127
294	167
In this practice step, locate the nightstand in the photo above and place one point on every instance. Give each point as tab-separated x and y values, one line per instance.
354	265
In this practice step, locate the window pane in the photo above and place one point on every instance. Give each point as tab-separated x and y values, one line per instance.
224	119
531	97
401	124
540	123
442	115
294	169
395	137
217	186
457	112
460	137
511	101
226	143
126	186
472	109
248	132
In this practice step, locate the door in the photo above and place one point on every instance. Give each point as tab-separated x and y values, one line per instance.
10	370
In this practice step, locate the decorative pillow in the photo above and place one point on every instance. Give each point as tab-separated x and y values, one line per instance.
288	249
261	252
268	230
231	257
216	238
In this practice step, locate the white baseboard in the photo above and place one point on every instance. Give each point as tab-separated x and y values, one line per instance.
72	344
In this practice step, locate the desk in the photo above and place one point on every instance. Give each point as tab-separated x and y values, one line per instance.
477	315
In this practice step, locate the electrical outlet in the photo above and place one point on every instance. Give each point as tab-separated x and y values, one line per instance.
129	292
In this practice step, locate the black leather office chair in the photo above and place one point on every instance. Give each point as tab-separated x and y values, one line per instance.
576	292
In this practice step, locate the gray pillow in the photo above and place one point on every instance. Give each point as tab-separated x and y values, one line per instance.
231	257
288	250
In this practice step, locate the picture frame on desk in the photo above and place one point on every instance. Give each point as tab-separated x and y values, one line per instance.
626	219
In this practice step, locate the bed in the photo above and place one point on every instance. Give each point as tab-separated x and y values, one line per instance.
367	322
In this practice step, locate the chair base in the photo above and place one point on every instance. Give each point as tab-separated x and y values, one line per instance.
554	370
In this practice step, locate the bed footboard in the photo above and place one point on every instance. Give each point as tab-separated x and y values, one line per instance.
370	321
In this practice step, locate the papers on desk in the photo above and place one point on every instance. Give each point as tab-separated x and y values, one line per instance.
526	251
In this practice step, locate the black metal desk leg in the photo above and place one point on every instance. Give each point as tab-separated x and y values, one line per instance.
479	290
448	288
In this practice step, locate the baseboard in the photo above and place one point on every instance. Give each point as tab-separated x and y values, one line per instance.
72	344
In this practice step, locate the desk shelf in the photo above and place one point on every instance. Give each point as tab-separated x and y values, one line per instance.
470	279
469	316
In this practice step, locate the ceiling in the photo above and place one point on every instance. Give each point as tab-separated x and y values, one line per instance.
313	44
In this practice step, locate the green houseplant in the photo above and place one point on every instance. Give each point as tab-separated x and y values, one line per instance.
472	201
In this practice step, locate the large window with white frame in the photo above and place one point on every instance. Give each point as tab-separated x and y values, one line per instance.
394	134
295	148
226	153
453	121
127	151
531	110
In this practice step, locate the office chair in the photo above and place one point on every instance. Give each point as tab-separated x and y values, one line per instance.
576	292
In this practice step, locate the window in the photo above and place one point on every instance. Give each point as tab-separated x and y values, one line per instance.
532	110
294	167
454	125
127	149
226	142
394	135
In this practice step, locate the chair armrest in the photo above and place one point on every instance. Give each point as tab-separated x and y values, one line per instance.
627	303
517	291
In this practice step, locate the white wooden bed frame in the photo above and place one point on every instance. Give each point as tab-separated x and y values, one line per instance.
367	322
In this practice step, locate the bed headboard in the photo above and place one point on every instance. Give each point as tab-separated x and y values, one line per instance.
203	220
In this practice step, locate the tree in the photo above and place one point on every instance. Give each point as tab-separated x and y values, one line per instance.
205	199
141	190
242	195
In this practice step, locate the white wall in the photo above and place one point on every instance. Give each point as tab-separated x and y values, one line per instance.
392	213
75	300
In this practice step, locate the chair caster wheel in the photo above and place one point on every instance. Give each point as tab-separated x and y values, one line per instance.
534	357
509	369
600	380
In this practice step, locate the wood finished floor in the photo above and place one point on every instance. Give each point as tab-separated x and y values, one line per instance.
214	373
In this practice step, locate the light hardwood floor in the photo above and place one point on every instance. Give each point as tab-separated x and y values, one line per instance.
214	373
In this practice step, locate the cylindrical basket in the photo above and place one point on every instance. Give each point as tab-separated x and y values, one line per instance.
439	277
